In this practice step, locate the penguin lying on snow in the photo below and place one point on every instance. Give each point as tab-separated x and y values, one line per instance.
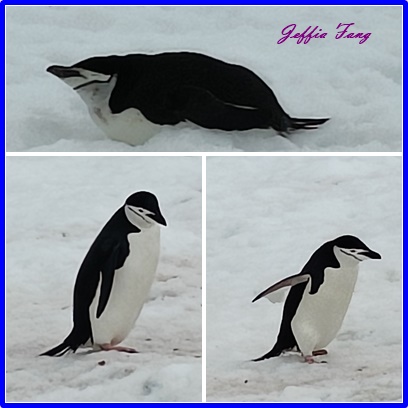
319	297
115	277
131	96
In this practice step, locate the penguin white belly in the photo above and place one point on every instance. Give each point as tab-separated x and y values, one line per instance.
319	317
129	126
131	285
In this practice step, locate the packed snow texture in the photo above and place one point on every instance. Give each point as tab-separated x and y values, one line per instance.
357	85
55	208
265	217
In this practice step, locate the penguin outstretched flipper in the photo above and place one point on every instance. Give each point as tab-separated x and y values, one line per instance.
290	281
286	339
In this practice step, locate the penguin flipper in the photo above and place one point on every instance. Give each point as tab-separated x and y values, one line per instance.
286	339
200	106
116	260
290	281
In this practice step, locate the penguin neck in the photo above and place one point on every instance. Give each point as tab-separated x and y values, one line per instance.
97	93
345	261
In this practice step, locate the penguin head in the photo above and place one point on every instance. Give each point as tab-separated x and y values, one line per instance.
142	210
350	249
93	78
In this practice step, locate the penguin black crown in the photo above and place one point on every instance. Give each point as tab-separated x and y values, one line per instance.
319	297
131	97
115	277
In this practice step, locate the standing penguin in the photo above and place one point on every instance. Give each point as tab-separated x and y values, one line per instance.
130	97
319	297
115	277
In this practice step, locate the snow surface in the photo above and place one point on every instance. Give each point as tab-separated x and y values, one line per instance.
357	85
265	217
55	208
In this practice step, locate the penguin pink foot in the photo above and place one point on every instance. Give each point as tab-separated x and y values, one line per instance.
309	360
108	347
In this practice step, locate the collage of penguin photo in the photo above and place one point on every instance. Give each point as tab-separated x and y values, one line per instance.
168	168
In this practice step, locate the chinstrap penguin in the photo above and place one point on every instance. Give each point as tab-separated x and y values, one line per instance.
319	297
115	277
130	97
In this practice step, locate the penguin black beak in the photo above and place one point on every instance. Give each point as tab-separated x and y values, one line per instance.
372	254
158	218
63	72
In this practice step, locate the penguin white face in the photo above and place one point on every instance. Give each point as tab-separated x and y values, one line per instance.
353	255
139	216
142	210
93	87
77	77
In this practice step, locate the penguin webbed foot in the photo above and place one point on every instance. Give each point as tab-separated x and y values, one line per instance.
310	360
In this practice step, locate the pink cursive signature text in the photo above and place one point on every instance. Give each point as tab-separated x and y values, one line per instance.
315	32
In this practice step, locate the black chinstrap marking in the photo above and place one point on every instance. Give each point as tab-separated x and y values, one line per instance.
141	216
95	81
355	257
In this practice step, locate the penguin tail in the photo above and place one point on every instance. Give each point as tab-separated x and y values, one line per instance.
71	343
59	350
306	124
275	352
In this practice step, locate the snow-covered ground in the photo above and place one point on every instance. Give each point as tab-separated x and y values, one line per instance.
357	85
265	217
56	206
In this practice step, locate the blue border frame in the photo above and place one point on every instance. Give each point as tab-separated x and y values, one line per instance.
4	3
201	3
